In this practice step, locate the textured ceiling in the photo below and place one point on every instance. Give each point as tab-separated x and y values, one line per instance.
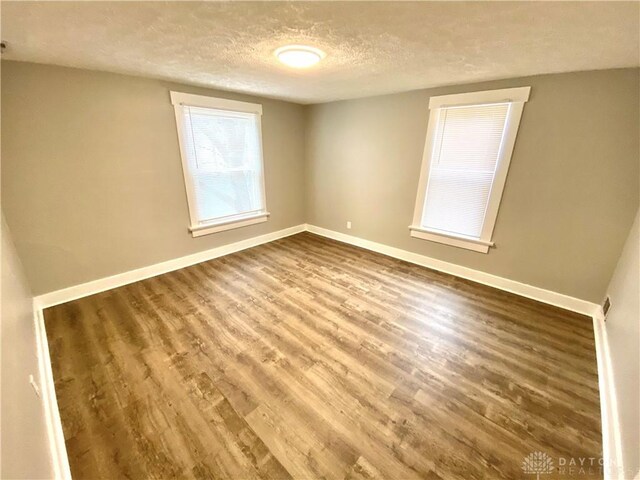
372	47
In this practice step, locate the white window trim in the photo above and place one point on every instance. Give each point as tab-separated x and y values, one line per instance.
237	222
197	229
516	97
448	238
191	100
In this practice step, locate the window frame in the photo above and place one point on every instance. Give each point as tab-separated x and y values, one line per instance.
517	98
196	227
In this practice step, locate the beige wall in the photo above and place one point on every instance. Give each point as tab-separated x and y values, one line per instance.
623	335
92	183
91	173
23	434
570	197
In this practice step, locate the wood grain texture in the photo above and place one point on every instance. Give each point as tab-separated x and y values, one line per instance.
309	358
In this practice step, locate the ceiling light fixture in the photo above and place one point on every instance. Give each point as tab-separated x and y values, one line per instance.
299	56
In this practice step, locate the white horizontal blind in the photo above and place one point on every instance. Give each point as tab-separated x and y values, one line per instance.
224	162
463	164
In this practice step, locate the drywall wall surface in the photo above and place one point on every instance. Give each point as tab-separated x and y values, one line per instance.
92	181
571	193
623	334
23	432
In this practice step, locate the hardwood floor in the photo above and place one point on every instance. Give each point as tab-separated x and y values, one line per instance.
307	358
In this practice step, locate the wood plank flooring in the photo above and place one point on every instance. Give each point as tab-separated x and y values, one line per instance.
307	358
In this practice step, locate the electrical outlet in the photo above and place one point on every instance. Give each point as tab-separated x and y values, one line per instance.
35	386
349	225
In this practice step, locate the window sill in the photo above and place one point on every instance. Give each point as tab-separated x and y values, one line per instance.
215	227
451	239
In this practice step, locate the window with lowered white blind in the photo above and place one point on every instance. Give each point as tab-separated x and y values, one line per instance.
464	161
222	162
467	154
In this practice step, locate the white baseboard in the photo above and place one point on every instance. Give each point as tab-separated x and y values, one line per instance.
522	289
103	284
611	438
96	286
58	450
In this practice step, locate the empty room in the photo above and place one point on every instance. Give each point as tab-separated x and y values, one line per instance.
320	240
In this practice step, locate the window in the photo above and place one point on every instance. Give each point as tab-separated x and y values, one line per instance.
221	148
467	152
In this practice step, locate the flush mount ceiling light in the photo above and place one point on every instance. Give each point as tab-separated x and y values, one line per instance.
299	56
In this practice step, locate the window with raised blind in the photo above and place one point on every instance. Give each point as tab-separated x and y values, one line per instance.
221	148
469	143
